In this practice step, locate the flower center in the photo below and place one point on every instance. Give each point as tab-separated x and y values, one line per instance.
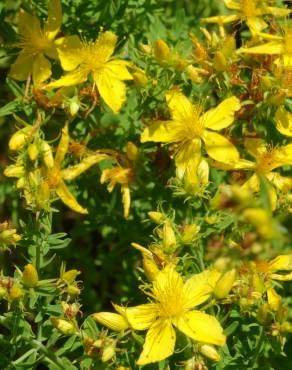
266	161
34	44
93	57
193	125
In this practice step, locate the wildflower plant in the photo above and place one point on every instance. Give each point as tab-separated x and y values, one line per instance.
145	193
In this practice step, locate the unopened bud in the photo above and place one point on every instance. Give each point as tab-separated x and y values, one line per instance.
33	151
73	290
65	327
169	239
224	285
3	292
140	78
189	233
257	283
132	151
108	353
219	62
14	171
15	293
210	352
47	154
150	268
20	138
161	52
156	217
69	276
274	299
111	320
30	276
264	315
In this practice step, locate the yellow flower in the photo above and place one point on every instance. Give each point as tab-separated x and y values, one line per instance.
8	236
284	121
172	306
82	59
122	176
267	159
282	262
280	45
36	43
249	11
189	126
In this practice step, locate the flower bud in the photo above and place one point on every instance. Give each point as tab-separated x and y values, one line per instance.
219	62
92	346
286	327
3	292
15	293
14	171
108	353
73	290
20	138
69	276
30	276
65	327
193	73
161	52
189	233
140	78
156	217
74	105
210	352
33	151
264	316
224	285
111	320
274	299
47	154
150	268
132	151
257	283
169	239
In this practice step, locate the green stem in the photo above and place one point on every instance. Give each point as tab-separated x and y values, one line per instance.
258	347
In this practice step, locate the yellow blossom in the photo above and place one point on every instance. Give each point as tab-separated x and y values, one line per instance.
82	59
172	305
8	236
122	176
249	11
189	126
267	158
284	121
36	44
280	45
55	175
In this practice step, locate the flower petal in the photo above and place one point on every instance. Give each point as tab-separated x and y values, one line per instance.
162	132
105	44
70	79
256	24
22	67
230	4
179	105
159	343
201	327
199	287
277	12
67	198
282	262
282	183
252	184
41	70
187	158
29	25
111	320
218	147
111	89
221	19
70	52
141	317
54	19
273	47
223	115
284	121
119	69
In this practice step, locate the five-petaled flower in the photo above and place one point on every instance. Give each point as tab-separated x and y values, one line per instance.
82	59
250	11
36	43
172	306
189	126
